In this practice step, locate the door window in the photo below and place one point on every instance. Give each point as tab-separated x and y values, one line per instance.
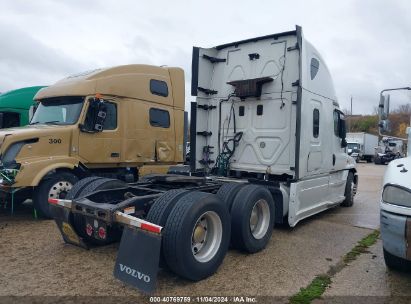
336	123
111	116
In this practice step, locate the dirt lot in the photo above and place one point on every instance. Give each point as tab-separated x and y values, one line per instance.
35	261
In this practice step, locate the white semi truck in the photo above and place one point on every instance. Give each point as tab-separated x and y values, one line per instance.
267	146
361	146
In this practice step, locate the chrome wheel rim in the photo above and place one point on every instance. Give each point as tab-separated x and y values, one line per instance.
60	189
260	219
206	236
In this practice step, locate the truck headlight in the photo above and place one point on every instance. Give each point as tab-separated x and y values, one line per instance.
397	195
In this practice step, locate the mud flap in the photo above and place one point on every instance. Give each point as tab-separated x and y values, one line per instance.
138	259
62	218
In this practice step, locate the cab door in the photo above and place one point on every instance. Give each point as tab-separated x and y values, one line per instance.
338	175
103	147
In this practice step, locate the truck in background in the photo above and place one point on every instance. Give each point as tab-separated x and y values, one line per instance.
389	148
395	206
118	122
361	146
267	146
17	107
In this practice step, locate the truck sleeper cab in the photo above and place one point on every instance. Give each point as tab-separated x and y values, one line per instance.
17	107
266	109
257	158
118	122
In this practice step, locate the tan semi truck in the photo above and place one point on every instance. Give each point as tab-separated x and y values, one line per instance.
118	122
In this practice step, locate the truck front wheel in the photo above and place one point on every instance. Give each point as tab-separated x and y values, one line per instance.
56	185
349	191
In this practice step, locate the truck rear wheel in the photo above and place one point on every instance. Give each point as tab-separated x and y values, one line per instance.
162	206
80	185
227	193
252	218
196	235
349	191
160	210
56	185
113	233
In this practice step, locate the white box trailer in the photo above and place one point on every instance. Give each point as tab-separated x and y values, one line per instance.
267	146
361	146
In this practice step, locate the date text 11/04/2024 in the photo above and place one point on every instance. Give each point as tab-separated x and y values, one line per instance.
203	299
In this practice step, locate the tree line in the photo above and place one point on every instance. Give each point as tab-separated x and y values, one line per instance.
399	121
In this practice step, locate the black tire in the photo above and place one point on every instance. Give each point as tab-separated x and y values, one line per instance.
348	193
80	185
242	236
179	233
396	263
162	206
48	189
147	178
160	210
227	193
113	233
101	184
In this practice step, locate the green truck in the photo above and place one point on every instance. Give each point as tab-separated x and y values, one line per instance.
17	107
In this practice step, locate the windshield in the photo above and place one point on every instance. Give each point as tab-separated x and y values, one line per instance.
58	110
353	146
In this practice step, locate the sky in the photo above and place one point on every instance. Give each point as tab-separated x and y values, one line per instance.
365	43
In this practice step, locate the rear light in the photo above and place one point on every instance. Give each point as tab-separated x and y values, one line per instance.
53	201
151	228
102	233
89	230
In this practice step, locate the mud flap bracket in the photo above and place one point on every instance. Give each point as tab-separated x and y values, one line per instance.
62	218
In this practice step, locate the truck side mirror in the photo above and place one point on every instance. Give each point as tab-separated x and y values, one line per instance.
384	107
100	118
342	133
1	119
95	116
384	126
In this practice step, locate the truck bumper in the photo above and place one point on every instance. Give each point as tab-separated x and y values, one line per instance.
396	234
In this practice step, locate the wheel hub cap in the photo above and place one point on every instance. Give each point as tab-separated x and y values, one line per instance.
260	219
206	236
60	189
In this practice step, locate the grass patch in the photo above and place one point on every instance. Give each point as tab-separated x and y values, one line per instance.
362	246
312	291
317	287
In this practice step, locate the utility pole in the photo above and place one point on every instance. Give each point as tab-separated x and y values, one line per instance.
351	106
349	126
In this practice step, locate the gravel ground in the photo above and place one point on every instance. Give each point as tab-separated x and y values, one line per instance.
35	261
